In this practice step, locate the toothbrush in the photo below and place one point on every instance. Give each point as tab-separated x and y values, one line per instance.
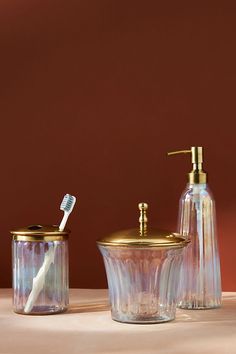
67	206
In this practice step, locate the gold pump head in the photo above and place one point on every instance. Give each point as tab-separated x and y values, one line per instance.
197	175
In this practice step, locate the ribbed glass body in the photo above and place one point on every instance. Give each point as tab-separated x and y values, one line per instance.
52	286
200	282
142	282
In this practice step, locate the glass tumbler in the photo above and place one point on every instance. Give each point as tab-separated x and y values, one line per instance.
142	268
40	270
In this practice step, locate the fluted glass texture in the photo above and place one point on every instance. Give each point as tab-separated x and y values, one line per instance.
28	257
143	283
200	282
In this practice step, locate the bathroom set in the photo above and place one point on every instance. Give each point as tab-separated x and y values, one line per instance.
149	271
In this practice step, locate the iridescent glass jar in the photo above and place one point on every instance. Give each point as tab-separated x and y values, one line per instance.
40	270
142	268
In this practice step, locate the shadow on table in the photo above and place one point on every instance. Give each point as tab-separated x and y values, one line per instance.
89	307
225	313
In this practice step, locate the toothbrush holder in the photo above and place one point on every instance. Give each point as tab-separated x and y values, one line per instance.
40	270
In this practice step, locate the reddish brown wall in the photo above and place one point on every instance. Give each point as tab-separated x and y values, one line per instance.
93	94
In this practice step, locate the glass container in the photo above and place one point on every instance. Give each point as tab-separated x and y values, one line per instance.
142	268
200	283
40	270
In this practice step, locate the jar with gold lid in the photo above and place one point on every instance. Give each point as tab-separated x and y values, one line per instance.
142	267
40	270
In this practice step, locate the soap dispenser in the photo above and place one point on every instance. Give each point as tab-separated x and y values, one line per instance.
200	283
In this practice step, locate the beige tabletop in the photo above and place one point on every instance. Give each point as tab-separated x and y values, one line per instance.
88	328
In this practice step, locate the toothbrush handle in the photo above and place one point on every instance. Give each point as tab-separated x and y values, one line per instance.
63	222
39	279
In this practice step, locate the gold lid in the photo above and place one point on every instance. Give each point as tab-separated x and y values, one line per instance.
40	233
197	175
143	237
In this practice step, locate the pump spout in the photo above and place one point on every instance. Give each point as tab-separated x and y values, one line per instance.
179	152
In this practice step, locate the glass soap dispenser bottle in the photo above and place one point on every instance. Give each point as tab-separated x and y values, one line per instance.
200	280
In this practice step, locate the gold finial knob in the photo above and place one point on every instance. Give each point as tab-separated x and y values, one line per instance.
143	218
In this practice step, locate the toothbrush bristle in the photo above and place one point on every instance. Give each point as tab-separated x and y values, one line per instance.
68	203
